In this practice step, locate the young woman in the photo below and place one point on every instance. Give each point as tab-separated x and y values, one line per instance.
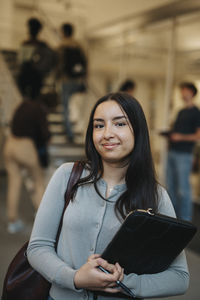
25	150
118	177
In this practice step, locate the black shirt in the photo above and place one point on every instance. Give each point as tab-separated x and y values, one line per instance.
187	122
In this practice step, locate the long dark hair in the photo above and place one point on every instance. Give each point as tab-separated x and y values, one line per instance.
140	177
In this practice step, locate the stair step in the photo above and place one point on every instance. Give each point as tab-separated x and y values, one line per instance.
59	109
58	139
67	151
57	129
55	118
61	140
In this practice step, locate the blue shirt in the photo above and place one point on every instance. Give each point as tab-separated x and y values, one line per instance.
89	224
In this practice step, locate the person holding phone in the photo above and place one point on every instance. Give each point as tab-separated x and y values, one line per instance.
184	133
118	177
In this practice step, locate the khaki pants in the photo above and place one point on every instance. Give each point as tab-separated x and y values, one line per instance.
20	153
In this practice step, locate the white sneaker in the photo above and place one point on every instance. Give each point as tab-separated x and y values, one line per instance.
14	227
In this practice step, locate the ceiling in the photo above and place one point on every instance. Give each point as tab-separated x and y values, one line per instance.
129	35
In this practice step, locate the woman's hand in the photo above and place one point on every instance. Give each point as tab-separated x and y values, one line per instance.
91	278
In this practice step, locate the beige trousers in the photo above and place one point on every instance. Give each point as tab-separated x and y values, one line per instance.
20	153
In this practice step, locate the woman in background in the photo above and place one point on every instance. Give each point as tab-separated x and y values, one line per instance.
25	149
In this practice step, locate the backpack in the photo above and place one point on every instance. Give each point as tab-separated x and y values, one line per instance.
43	59
29	80
35	69
74	62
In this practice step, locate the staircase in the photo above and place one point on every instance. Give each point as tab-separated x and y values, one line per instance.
60	150
10	57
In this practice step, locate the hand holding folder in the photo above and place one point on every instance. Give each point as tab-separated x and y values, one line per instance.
147	243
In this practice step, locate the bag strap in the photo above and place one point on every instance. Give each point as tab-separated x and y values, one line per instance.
73	179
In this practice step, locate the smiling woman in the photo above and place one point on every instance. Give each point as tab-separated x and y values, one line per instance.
117	178
118	149
112	134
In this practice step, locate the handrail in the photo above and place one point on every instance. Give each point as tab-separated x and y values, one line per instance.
10	95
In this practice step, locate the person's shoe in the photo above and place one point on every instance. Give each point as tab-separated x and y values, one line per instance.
14	227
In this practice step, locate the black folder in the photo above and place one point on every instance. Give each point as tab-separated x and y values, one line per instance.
147	243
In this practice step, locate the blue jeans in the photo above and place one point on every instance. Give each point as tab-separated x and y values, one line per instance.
68	89
179	165
49	298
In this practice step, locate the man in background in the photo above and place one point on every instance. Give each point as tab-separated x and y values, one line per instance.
36	60
71	72
185	132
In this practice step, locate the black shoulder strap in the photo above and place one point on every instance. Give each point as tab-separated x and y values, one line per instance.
73	179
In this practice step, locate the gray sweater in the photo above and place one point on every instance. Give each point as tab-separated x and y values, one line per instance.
88	226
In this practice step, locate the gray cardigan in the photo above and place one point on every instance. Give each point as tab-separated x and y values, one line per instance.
88	226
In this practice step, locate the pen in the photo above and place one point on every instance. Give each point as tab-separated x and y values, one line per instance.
119	283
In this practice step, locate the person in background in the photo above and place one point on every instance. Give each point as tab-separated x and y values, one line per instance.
118	177
36	59
128	86
71	72
25	149
182	137
29	79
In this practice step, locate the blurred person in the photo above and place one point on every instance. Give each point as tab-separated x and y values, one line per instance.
25	149
182	137
36	60
128	86
118	177
71	72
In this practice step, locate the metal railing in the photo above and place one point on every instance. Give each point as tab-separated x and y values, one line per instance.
10	96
